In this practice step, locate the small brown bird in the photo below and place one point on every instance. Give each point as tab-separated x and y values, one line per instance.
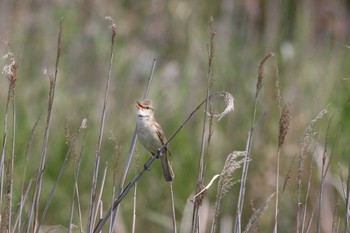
151	135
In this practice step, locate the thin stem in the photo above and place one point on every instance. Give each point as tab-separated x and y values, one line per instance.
173	207
132	144
56	182
40	169
248	147
277	190
347	213
134	210
200	179
92	207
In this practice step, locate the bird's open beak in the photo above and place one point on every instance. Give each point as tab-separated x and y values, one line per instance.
139	105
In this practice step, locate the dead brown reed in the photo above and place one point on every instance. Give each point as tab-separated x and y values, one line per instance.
33	224
201	167
232	163
238	227
9	71
92	209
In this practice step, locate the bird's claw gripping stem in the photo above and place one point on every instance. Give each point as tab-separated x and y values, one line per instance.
158	153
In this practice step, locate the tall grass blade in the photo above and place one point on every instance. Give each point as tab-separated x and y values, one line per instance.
92	208
200	178
10	72
238	227
132	146
347	206
63	165
35	212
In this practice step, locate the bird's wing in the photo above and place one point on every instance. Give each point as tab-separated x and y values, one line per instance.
161	136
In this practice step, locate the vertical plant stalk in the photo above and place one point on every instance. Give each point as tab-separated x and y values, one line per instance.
254	219
9	176
63	165
147	165
279	101
305	143
347	207
226	182
40	170
335	227
200	179
132	147
100	136
325	167
115	172
12	156
134	210
10	72
23	192
134	198
76	168
24	196
283	126
324	157
312	166
99	199
173	207
2	162
248	147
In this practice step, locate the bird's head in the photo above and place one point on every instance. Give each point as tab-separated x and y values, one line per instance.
144	108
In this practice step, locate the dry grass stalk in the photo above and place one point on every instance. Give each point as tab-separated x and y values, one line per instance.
277	89
284	124
10	72
173	215
72	145
24	187
76	158
133	229
226	182
98	214
283	130
200	178
117	153
70	140
254	219
289	171
335	226
347	203
92	209
325	166
76	168
305	143
34	213
261	73
248	146
131	149
24	197
342	182
137	168
305	205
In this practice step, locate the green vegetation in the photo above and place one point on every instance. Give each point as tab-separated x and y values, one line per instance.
297	52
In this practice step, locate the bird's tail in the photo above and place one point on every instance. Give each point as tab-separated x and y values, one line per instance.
166	167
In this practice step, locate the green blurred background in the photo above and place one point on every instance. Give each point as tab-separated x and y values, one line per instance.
310	40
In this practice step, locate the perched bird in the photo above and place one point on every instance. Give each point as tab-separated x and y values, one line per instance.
151	135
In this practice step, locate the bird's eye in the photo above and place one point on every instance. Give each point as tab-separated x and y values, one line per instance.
147	108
